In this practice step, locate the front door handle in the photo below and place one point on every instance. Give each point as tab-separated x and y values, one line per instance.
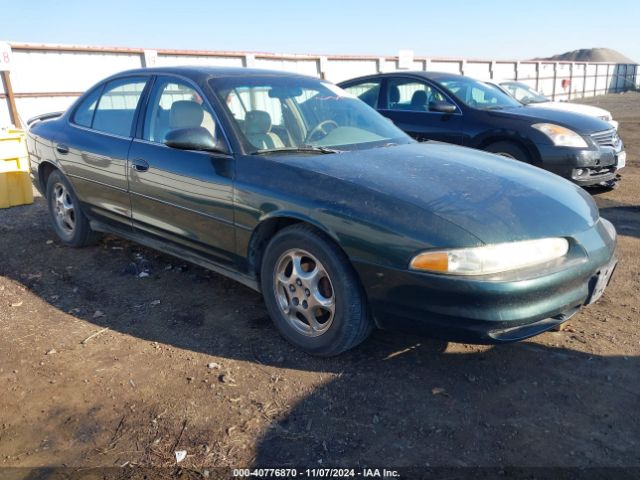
139	165
62	149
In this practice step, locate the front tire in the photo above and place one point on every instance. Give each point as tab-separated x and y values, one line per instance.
509	150
312	293
69	223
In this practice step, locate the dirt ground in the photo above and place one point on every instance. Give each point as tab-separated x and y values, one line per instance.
100	366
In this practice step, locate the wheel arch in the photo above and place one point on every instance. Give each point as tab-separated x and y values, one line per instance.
44	171
269	226
523	143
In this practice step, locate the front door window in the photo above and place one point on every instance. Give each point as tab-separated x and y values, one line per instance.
411	95
176	105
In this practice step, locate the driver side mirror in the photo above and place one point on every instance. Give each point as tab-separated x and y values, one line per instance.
197	138
442	107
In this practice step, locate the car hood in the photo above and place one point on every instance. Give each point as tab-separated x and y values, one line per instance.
573	107
580	123
494	198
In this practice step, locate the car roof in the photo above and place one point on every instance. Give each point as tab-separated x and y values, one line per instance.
196	72
417	73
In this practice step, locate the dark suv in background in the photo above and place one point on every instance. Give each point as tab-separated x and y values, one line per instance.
458	109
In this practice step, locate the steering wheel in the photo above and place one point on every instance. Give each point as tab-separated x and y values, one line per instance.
321	128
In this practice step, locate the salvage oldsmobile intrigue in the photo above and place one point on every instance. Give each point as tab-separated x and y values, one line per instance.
293	187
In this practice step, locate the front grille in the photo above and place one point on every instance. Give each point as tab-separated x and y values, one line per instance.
608	138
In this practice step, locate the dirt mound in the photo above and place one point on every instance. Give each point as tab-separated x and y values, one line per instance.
590	55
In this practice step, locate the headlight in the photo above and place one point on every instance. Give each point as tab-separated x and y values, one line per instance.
487	259
560	136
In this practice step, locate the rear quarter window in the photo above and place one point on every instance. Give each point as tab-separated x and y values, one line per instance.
83	114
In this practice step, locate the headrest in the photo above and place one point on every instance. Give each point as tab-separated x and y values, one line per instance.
185	114
394	94
257	122
419	98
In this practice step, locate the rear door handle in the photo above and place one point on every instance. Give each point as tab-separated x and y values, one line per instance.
139	165
62	149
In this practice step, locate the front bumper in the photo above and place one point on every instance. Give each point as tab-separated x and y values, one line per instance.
584	167
501	309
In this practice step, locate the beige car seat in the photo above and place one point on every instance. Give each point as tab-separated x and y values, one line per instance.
257	125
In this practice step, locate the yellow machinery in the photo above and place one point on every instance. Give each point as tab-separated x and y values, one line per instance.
15	183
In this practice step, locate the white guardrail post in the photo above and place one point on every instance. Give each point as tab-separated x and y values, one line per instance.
570	79
322	67
555	80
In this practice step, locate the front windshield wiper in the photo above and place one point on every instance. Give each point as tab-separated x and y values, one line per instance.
301	149
494	107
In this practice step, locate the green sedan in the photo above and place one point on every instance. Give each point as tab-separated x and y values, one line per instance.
295	188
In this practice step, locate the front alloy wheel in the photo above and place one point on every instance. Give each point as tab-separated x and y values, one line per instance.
304	292
312	293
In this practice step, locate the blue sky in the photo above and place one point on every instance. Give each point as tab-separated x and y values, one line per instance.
472	29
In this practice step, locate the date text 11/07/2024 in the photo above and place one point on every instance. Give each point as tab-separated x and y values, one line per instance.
316	473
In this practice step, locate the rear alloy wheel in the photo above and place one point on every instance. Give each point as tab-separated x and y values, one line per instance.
509	150
64	209
312	293
69	223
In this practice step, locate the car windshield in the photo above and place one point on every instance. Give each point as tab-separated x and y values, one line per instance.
524	93
478	94
290	114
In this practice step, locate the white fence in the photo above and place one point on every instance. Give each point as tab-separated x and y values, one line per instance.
48	78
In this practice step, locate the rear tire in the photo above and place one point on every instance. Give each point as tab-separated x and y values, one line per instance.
312	293
68	221
509	150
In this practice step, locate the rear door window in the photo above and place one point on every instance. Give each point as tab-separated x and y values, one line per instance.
117	106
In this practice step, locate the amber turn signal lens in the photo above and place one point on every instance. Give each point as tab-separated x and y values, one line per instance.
431	261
